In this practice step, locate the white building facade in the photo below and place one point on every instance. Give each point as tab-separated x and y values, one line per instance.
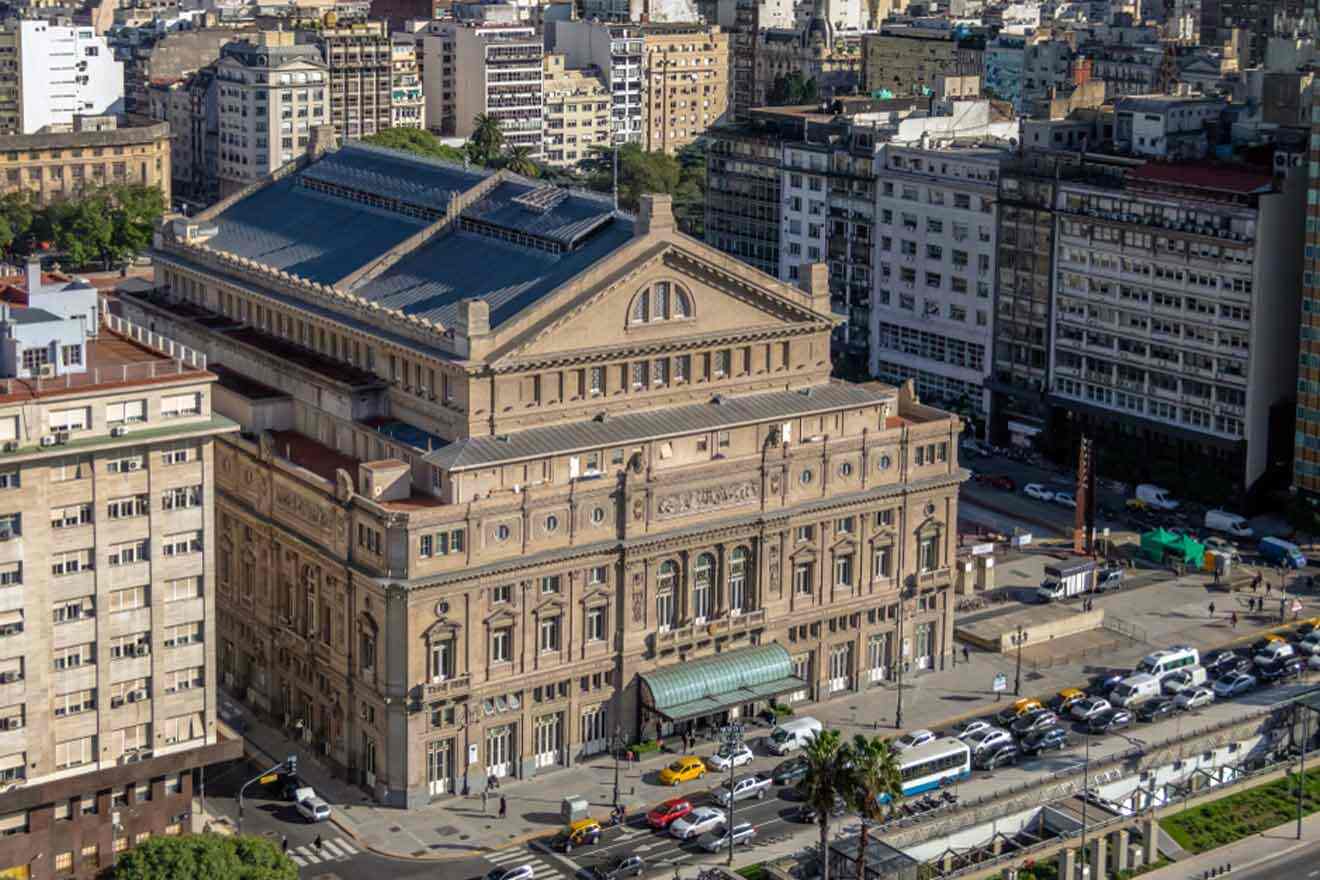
617	50
63	71
932	312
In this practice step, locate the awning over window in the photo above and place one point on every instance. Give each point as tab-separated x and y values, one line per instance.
702	687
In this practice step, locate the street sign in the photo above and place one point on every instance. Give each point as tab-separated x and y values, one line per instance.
268	778
983	549
1001	682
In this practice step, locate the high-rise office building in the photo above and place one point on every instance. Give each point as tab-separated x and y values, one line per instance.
51	71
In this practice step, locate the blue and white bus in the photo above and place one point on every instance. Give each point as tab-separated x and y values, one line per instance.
942	762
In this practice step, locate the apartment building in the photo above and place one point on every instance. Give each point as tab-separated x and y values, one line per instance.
51	71
744	194
902	61
473	68
359	58
107	672
617	50
1172	127
99	151
1175	304
407	103
1027	70
577	112
640	476
270	95
932	313
686	70
192	109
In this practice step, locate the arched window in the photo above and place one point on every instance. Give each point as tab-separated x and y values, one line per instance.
703	576
738	579
665	582
662	301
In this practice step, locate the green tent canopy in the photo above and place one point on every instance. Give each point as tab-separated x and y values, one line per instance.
1161	546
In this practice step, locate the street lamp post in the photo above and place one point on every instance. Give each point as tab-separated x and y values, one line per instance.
290	764
1086	787
618	743
898	711
731	737
1018	639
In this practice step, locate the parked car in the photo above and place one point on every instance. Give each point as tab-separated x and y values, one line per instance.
311	807
697	823
1067	698
1310	643
1065	499
1185	679
1274	652
665	814
684	769
1034	722
914	738
976	725
1226	662
1156	710
1016	709
1109	720
583	832
1003	755
730	757
517	872
744	787
1104	683
1222	547
988	739
1051	738
806	813
1037	491
1083	710
1108	578
1282	670
718	838
792	771
619	867
1194	698
1235	684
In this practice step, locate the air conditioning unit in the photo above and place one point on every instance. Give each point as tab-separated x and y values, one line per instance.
13	723
118	431
62	437
137	696
143	650
46	371
132	464
116	702
48	440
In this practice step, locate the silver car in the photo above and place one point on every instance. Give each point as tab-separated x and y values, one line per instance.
985	739
517	872
714	841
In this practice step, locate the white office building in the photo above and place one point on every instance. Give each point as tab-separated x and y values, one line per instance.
61	71
616	50
932	313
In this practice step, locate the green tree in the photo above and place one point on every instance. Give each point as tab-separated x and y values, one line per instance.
875	785
205	857
83	229
827	779
518	159
793	89
487	139
419	141
16	217
136	212
690	195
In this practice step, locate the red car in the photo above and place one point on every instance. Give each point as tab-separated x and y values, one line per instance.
1002	482
670	811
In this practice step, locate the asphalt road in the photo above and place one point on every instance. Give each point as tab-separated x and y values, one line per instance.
1299	864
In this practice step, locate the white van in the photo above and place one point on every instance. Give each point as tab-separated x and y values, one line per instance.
1185	679
1156	496
1228	523
1134	689
1161	663
792	735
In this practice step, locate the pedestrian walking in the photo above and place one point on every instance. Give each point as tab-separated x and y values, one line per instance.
284	844
967	654
485	801
1267	588
1255	582
1232	620
1212	609
317	843
504	807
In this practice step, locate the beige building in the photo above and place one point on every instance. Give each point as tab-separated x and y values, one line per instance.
360	60
906	61
685	69
107	612
100	151
577	112
469	534
407	103
270	95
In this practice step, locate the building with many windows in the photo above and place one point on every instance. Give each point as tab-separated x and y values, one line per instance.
99	151
55	71
616	50
407	103
107	612
527	478
686	72
577	112
359	59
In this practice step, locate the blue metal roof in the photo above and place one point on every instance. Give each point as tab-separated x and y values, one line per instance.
572	217
394	174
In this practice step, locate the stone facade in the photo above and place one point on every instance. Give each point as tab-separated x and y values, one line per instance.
98	152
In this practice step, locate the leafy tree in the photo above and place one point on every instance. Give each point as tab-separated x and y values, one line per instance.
16	216
82	229
487	139
419	141
205	857
875	784
792	90
518	159
137	210
640	172
690	196
827	778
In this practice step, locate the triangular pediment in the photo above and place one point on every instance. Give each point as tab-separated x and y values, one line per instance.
677	292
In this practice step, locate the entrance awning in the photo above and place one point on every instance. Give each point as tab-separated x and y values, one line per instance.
712	684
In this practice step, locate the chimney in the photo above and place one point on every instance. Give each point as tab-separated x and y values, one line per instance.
814	279
656	214
322	140
33	277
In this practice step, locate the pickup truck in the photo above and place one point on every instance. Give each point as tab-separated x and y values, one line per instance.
744	787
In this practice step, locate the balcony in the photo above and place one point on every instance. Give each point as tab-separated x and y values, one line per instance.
447	687
935	577
726	625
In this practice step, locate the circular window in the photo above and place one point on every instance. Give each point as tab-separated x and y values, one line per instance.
551	523
807	476
930	509
502	533
598	515
884	462
845	469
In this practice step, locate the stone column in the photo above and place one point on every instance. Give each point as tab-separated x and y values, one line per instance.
1119	850
1099	854
1067	864
985	573
966	578
1150	840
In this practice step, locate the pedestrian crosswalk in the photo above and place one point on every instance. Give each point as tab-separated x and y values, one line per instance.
517	856
331	850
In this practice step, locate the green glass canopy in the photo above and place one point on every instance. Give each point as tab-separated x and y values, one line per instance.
702	687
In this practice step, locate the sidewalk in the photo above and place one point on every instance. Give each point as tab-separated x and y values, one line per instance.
1169	613
1249	852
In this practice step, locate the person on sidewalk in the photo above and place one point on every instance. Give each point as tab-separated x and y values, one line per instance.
1232	620
485	801
967	654
284	844
1212	609
504	807
317	843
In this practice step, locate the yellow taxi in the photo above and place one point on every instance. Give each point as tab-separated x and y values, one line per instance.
1274	637
685	769
1018	708
1066	698
579	833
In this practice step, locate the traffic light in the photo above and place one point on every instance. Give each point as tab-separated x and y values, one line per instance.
291	763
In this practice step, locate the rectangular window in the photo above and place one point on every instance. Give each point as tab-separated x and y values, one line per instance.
75	752
183	634
803	578
128	553
845	525
70	610
502	593
183	728
843	570
181	498
550	634
125	647
881	562
75	419
805	534
74	703
595	624
179	454
682	368
126	463
928	553
175	405
127	600
501	645
74	656
126	508
126	412
182	544
178	589
69	517
11	574
550	584
597	381
70	562
9	479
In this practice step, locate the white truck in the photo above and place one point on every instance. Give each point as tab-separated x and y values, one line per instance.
1156	497
1066	579
1228	523
792	735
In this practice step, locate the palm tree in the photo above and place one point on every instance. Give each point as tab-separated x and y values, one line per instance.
519	160
876	784
487	138
826	779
